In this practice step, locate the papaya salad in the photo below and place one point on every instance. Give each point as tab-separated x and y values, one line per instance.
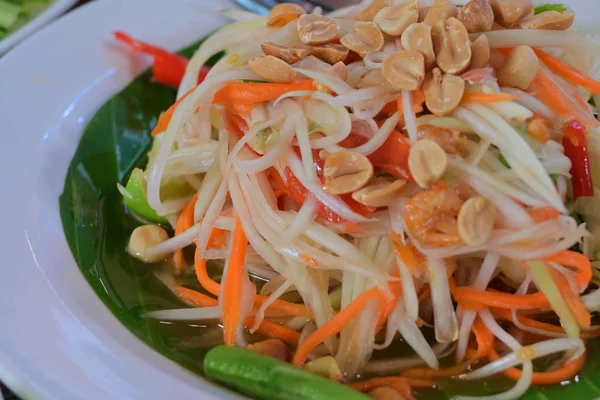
392	172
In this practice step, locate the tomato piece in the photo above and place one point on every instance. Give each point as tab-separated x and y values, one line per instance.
391	157
298	193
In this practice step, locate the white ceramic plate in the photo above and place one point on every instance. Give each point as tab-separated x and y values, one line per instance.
57	340
53	11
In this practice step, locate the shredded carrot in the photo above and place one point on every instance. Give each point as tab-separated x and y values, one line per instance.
425	293
256	92
165	118
418	98
235	123
373	383
194	298
574	303
242	109
566	371
566	106
575	260
487	98
410	256
285	307
484	338
337	323
216	238
476	300
507	316
203	277
232	303
389	306
351	227
274	330
184	222
485	343
266	328
214	288
542	214
559	67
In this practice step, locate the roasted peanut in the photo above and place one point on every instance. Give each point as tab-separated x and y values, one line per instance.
519	68
404	69
272	347
477	16
326	366
509	13
371	79
387	393
366	38
395	19
331	53
539	128
427	162
380	192
476	220
443	92
417	37
480	52
316	29
452	46
368	13
552	20
340	70
287	54
272	69
346	172
283	13
423	13
143	239
440	9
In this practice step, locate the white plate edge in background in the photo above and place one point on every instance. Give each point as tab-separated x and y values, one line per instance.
50	13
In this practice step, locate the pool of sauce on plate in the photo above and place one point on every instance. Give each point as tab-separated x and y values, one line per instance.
130	289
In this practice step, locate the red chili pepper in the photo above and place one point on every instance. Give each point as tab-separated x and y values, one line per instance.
575	144
168	68
391	157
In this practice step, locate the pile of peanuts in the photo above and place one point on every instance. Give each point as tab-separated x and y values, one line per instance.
436	42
